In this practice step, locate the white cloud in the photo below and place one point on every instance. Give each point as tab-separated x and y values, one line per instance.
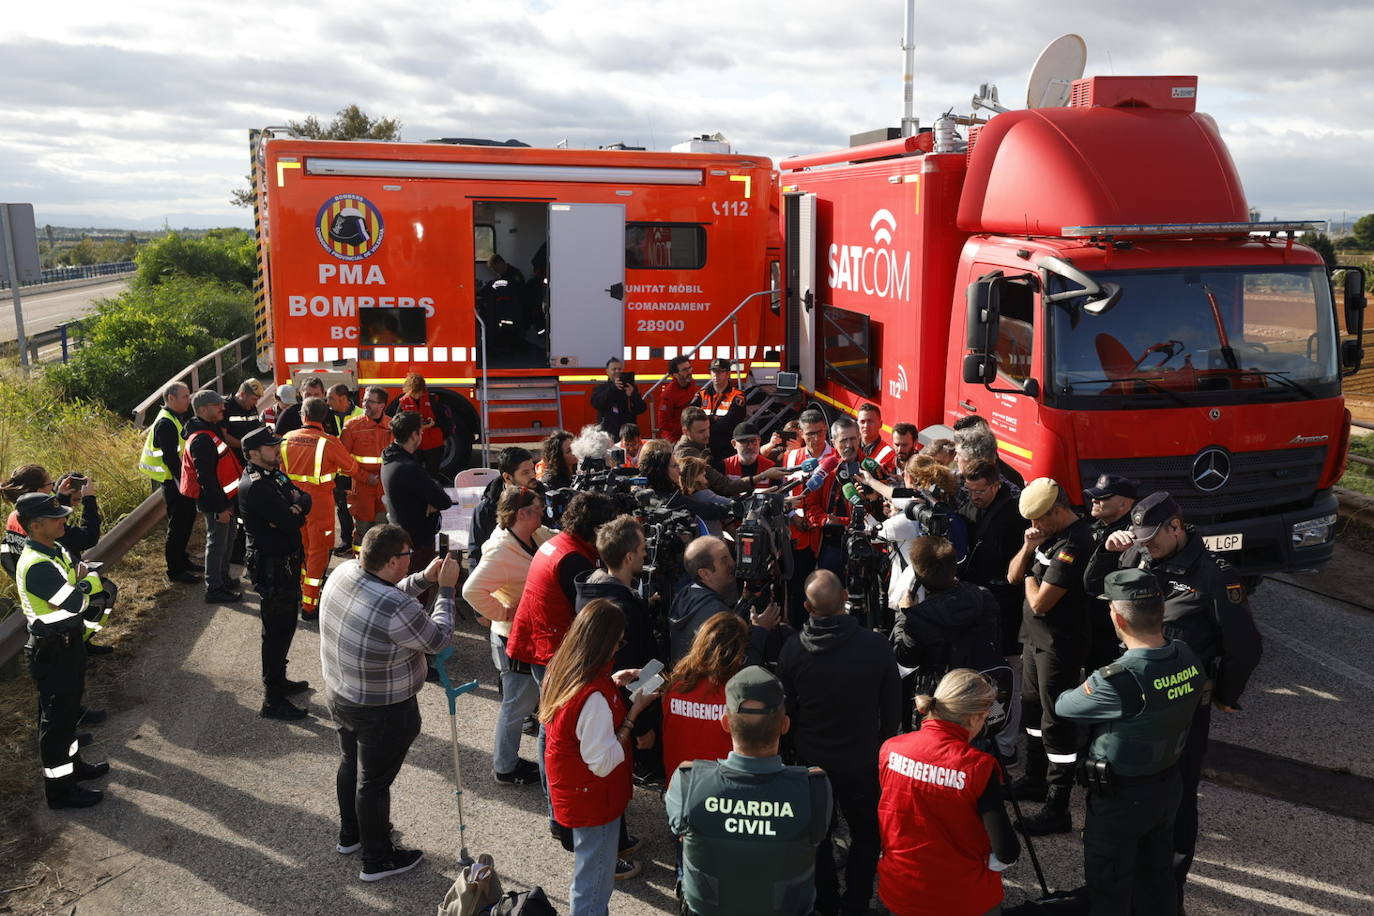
139	110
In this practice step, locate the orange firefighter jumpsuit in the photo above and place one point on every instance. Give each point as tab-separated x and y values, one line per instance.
365	440
312	458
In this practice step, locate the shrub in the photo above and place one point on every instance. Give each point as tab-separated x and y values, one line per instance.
138	340
226	255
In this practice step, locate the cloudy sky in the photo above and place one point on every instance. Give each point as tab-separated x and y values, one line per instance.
126	114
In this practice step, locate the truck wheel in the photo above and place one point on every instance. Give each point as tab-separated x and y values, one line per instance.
457	447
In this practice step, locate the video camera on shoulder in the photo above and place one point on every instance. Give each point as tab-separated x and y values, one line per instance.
930	509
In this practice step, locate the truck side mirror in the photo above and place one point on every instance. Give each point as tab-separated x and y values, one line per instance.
1352	354
984	312
1354	299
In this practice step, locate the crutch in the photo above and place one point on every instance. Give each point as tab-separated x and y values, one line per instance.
440	662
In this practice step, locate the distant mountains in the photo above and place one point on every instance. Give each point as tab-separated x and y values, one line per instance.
102	225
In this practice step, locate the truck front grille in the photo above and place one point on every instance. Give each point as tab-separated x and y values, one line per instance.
1259	483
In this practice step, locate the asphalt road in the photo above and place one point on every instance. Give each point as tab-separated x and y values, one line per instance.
211	809
44	311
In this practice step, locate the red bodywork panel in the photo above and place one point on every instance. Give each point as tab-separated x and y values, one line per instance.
1036	172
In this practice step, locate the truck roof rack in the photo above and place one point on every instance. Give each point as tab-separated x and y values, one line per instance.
1183	230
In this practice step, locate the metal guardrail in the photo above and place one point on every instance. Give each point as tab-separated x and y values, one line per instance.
242	350
81	272
60	335
1360	459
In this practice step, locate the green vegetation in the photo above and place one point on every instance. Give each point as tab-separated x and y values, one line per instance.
39	424
350	123
188	297
1358	477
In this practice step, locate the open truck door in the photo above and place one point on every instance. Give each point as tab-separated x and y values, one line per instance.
799	214
586	284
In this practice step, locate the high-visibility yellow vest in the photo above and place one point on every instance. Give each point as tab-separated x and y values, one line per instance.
153	464
40	609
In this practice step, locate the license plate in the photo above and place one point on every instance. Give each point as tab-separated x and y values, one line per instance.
1219	542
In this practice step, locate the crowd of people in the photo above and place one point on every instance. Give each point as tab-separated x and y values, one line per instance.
777	710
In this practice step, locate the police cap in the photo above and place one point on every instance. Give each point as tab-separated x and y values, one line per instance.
1111	485
720	365
258	438
744	431
1151	512
40	505
757	684
1131	585
1038	498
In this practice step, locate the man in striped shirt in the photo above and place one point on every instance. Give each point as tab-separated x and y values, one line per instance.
374	636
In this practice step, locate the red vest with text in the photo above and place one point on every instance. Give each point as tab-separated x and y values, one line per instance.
579	797
433	436
227	468
935	848
691	725
545	612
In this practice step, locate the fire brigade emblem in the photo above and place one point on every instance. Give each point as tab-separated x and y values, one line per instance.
349	227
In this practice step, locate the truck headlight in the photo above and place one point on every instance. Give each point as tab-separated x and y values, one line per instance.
1314	531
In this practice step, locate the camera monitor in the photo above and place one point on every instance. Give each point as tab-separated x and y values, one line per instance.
384	327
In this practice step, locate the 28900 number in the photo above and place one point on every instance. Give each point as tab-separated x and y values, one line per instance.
660	324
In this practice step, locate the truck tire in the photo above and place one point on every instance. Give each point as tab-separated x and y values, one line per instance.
457	447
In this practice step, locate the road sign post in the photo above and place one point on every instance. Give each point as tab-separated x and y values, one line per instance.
19	263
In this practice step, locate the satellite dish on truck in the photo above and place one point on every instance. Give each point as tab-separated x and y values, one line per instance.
1056	68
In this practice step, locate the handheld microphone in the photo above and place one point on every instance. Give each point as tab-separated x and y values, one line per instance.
874	468
824	469
806	467
851	493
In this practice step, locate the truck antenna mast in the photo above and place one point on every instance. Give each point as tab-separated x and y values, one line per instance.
910	125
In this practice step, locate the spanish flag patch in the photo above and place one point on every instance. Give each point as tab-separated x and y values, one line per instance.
1236	593
1064	556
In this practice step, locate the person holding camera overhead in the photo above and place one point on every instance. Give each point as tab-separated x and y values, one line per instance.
617	401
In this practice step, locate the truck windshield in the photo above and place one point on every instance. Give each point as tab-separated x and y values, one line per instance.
1200	336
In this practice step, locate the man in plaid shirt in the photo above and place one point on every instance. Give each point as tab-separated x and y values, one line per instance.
374	636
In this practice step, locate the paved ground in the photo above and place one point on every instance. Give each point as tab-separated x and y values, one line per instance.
45	311
210	809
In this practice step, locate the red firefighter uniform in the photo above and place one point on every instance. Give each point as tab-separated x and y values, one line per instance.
312	458
880	452
365	440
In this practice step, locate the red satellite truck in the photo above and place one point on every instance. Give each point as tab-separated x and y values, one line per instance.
377	261
1087	278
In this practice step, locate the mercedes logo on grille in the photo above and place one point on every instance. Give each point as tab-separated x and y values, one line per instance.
1211	469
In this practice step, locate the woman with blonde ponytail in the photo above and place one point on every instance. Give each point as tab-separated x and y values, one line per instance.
944	829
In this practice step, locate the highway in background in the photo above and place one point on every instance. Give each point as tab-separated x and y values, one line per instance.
44	311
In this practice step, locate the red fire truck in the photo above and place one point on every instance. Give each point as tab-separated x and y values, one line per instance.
1086	278
507	276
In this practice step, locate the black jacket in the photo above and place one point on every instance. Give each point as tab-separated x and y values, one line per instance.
692	606
484	520
409	491
996	535
954	628
265	501
288	419
205	457
83	536
843	693
614	408
640	645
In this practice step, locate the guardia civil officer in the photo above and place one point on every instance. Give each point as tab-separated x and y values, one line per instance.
1109	500
1205	606
749	825
273	510
52	592
1054	636
1140	708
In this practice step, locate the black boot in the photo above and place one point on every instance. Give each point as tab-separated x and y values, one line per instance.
1054	817
1033	784
85	771
65	793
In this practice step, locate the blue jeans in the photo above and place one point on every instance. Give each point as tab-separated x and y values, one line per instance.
538	675
519	698
595	850
219	546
